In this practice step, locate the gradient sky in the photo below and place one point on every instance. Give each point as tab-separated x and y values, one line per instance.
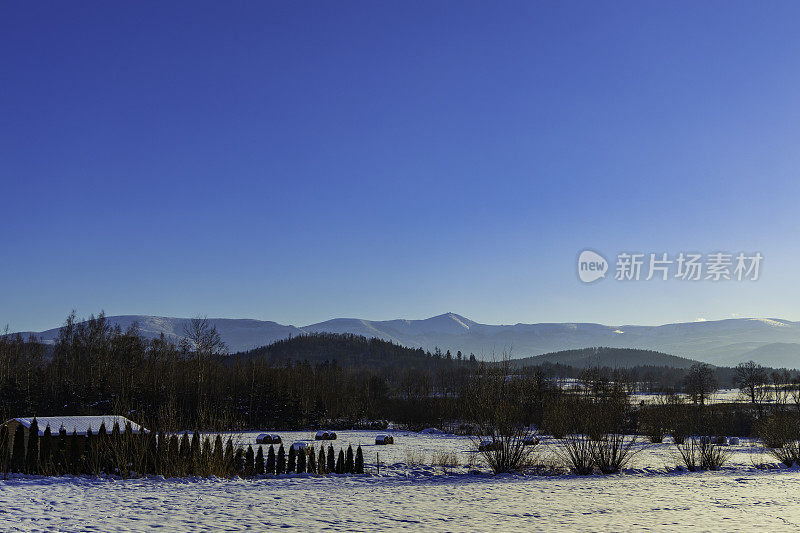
298	161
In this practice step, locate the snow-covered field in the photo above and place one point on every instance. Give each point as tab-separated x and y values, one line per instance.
649	496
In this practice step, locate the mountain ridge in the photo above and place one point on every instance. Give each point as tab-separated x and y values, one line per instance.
769	341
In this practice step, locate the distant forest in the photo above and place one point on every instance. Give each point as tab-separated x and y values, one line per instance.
303	382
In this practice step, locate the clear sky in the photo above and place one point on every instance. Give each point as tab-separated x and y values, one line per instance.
299	161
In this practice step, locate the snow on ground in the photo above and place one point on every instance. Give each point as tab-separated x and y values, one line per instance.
649	496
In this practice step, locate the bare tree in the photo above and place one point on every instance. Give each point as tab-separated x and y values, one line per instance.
505	442
700	382
201	338
752	380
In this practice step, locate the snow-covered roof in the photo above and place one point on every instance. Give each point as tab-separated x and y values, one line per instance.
78	424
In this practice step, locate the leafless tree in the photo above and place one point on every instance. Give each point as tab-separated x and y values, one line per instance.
752	380
700	382
201	338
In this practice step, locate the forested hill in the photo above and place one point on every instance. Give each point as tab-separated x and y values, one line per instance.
608	357
347	350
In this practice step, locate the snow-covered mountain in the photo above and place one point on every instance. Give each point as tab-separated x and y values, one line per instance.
772	342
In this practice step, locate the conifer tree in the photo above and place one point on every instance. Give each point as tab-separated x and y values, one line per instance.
312	461
280	465
340	463
61	458
194	459
292	460
18	452
217	461
321	461
116	435
238	462
228	458
174	455
349	465
32	454
162	449
5	456
259	464
46	452
249	460
128	443
151	460
359	460
75	452
270	467
102	449
92	452
331	468
301	461
185	454
205	458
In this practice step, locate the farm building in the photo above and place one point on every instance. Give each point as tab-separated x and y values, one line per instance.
77	424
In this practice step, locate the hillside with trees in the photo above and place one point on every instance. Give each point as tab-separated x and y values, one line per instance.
610	357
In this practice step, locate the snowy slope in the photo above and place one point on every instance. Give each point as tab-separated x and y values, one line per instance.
649	497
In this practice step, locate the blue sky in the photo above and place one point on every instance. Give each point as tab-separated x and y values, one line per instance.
302	161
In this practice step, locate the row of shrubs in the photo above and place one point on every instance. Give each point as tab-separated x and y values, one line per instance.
128	454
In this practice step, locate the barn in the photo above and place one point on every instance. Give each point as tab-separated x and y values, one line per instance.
76	424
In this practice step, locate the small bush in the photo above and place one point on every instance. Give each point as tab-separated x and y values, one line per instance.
415	458
780	435
446	459
612	452
698	453
577	452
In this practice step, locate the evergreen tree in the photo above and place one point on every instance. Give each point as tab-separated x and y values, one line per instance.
128	444
174	455
249	460
228	458
331	468
162	456
18	453
280	465
102	449
340	463
151	461
75	452
185	453
271	460
205	458
46	452
32	454
259	464
321	461
217	461
301	461
194	459
359	463
116	451
61	457
349	465
238	462
312	461
92	453
292	460
5	457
